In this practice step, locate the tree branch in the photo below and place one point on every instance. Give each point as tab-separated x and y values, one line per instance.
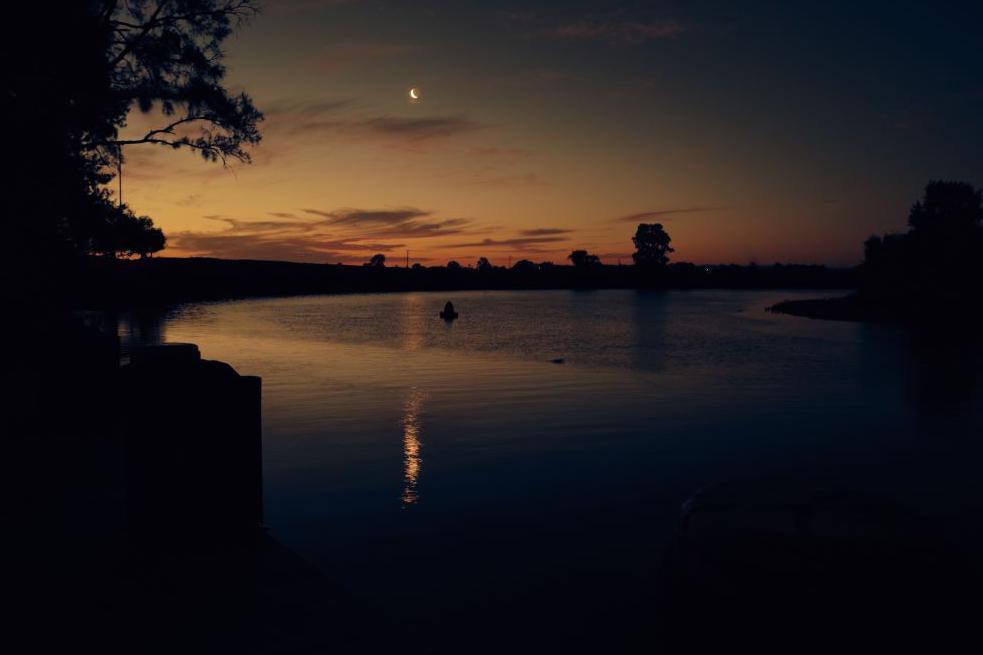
180	143
149	25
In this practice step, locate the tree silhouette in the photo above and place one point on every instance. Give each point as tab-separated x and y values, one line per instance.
453	265
484	265
651	245
167	55
56	102
583	259
939	259
947	208
377	261
69	96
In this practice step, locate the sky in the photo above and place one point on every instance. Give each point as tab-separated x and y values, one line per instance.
766	132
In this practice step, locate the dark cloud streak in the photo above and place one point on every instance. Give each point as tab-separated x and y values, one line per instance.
517	242
662	214
613	32
544	231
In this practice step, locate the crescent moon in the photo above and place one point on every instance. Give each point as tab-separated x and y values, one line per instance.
414	93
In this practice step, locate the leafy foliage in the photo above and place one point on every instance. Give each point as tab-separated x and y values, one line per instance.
121	233
651	245
947	208
167	54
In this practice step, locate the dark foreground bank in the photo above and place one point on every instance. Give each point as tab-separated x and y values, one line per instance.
123	283
138	521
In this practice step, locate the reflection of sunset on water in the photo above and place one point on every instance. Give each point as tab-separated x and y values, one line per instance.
414	326
411	445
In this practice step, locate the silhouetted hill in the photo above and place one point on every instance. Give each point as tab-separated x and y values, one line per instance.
105	282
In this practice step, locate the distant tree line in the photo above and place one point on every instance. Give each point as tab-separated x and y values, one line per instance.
163	280
177	280
651	258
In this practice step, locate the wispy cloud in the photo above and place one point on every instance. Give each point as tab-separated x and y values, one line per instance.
251	246
423	229
536	78
335	235
294	108
368	216
256	227
494	152
508	180
419	128
544	231
189	200
664	214
613	32
517	242
283	7
345	55
291	122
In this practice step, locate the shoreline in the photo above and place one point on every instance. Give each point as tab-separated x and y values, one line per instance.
853	308
843	308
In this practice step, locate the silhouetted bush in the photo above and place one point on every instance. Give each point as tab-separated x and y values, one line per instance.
939	259
120	233
583	260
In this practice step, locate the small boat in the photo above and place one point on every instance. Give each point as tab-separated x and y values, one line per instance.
448	314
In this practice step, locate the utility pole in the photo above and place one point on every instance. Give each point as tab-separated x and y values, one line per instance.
119	166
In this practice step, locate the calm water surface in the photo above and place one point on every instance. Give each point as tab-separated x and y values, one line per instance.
454	473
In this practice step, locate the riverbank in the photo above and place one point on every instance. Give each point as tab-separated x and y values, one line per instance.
846	308
858	309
